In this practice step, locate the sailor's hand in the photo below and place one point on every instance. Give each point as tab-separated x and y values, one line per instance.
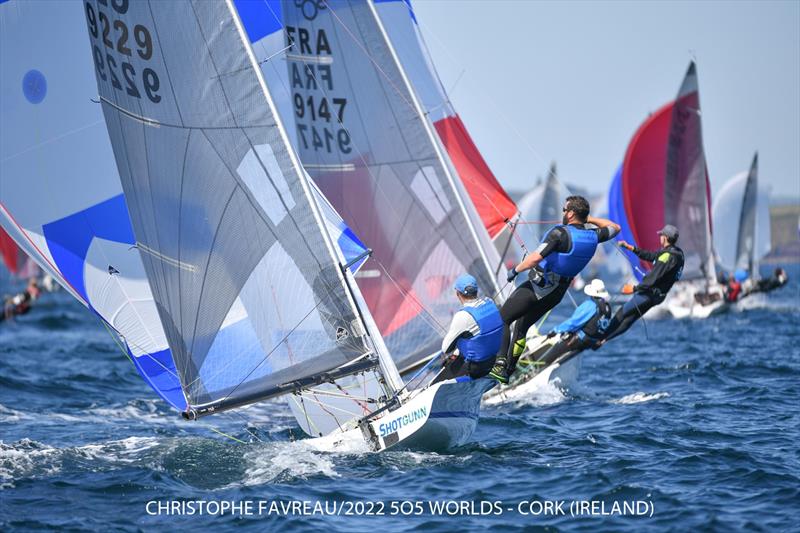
627	289
512	273
623	244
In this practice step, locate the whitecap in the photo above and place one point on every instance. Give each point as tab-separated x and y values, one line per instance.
640	397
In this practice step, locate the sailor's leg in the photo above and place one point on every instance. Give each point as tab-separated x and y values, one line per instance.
537	310
517	305
629	313
481	368
452	368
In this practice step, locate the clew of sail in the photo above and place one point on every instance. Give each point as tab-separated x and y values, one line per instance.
248	285
60	196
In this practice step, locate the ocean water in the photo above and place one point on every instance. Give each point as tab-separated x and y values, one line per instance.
697	418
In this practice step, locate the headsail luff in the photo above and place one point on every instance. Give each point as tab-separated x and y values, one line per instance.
221	211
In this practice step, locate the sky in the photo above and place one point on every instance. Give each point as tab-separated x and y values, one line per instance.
572	81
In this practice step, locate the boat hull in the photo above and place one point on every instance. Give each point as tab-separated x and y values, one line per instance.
437	418
562	375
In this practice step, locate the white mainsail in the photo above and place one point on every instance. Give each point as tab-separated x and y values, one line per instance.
223	214
363	138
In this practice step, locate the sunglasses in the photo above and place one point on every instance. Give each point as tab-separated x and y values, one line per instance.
565	209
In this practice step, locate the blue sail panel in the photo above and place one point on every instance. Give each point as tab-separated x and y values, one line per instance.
616	212
158	370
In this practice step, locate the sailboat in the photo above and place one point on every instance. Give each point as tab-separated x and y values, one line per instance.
664	179
742	207
231	230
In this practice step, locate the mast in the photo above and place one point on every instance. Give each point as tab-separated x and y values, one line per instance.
445	165
387	366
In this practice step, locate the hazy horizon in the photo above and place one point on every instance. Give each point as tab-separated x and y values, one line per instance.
572	81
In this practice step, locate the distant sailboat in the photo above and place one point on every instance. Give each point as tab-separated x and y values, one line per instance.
664	180
742	207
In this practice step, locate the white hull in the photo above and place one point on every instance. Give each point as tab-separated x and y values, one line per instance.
681	302
437	418
559	375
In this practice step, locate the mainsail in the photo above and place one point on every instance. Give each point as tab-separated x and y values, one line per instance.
60	195
664	180
687	190
249	287
746	243
742	207
362	136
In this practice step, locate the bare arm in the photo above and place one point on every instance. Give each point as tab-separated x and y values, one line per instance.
603	223
529	262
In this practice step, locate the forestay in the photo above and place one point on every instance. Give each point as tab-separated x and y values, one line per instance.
247	283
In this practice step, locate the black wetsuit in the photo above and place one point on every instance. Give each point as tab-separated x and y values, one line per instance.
667	269
529	302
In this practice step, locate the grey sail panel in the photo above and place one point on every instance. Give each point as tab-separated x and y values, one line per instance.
367	147
745	244
686	188
249	295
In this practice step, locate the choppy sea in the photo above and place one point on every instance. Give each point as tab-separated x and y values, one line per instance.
699	419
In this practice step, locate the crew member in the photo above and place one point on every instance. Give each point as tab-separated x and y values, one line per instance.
474	335
565	250
778	279
667	269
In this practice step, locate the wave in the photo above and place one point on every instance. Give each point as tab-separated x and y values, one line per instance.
640	397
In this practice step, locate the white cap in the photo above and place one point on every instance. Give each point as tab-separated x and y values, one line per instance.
597	289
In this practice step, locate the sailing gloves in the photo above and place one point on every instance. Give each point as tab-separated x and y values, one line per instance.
512	273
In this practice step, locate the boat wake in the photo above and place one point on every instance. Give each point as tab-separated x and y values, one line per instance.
534	393
28	458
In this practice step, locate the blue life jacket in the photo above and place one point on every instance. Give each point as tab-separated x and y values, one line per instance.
486	343
584	243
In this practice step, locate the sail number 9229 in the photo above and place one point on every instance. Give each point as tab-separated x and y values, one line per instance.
114	42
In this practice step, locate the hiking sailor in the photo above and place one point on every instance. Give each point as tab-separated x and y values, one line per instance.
667	269
474	332
585	328
565	250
